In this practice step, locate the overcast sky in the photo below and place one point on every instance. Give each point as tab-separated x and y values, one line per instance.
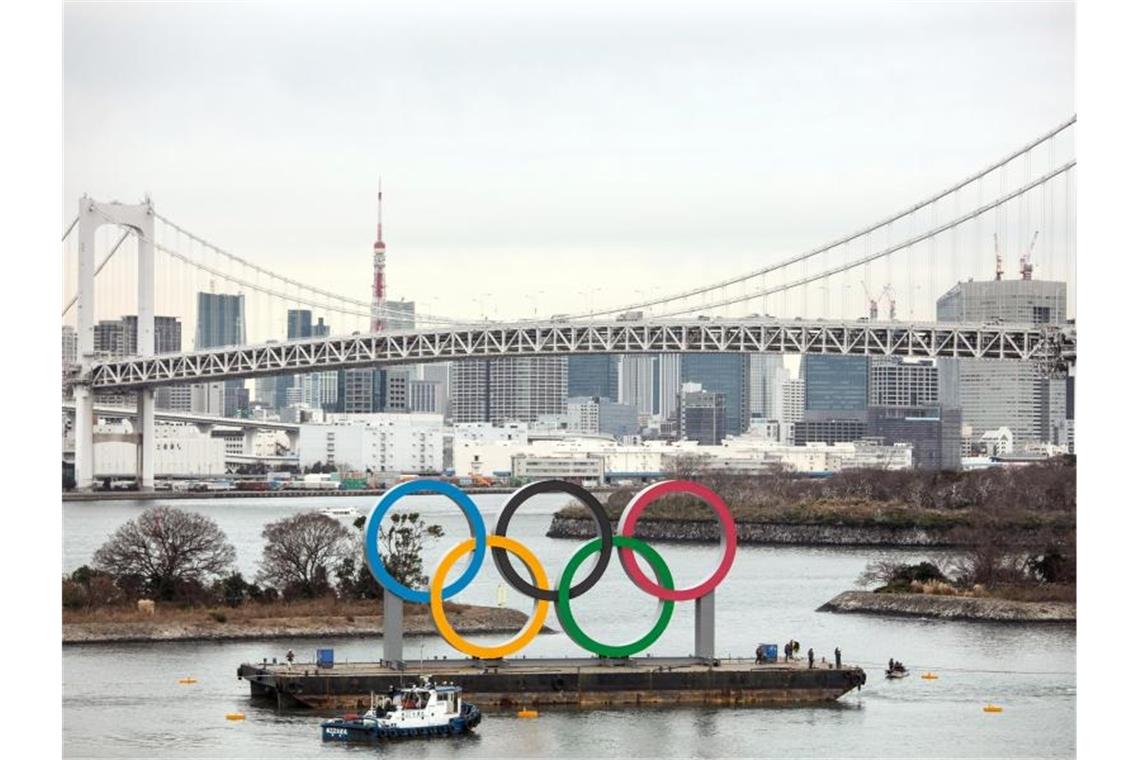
564	149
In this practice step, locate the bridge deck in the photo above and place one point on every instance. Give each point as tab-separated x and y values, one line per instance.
1046	343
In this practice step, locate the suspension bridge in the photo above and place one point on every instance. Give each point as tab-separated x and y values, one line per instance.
129	259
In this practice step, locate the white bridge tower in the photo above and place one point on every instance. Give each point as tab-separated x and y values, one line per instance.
140	218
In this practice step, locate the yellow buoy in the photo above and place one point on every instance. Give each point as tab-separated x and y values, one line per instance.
991	708
930	676
528	713
187	680
235	716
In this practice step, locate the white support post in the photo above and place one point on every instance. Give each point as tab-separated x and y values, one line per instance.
704	639
85	346
84	437
146	439
145	342
393	627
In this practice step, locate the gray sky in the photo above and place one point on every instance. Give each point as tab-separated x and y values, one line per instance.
563	149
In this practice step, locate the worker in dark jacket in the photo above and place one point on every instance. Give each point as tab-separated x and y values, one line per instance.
811	657
838	658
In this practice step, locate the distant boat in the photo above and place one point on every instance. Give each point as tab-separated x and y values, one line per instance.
336	512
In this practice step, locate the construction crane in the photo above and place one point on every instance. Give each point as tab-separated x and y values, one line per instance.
997	257
872	302
1026	266
889	294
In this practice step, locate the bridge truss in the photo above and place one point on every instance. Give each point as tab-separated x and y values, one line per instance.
1050	345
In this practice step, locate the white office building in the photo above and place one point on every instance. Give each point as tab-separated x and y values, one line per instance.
409	443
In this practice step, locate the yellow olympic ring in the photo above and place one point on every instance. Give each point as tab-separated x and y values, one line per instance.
523	637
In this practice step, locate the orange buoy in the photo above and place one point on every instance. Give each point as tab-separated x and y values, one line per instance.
930	676
528	713
188	680
992	709
235	716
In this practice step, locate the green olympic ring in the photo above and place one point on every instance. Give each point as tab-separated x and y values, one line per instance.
575	632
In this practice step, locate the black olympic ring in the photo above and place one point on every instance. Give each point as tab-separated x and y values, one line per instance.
601	520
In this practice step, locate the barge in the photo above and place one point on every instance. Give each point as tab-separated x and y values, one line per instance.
558	682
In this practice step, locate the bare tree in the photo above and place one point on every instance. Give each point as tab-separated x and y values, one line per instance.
167	551
301	553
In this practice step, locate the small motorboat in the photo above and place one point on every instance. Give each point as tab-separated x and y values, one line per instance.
898	671
424	710
336	512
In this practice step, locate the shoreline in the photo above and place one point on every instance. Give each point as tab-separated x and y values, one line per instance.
284	493
468	621
787	534
967	608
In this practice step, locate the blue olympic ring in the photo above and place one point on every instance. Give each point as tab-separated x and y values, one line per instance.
375	524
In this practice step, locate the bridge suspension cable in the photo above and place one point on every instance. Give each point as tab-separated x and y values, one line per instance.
328	295
930	201
884	252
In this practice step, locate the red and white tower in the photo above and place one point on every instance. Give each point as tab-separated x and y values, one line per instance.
378	291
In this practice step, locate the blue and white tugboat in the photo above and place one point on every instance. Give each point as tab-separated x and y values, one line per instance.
424	710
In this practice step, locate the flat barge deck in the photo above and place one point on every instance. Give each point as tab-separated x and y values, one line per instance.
582	683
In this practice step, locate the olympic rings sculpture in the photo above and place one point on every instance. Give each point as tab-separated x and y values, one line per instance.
538	587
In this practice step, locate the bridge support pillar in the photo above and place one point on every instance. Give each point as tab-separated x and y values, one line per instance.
84	437
393	627
704	640
145	473
249	441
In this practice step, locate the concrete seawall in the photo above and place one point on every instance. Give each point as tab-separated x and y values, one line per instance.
762	533
951	607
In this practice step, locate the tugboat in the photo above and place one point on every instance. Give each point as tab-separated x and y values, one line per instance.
424	710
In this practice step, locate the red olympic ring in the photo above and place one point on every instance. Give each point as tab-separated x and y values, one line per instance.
628	523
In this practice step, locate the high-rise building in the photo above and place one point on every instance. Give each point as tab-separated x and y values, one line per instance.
727	374
639	382
502	390
904	407
70	345
834	386
835	399
668	385
765	374
702	415
997	394
360	391
221	322
593	375
897	382
298	325
791	407
425	396
167	335
934	433
400	315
